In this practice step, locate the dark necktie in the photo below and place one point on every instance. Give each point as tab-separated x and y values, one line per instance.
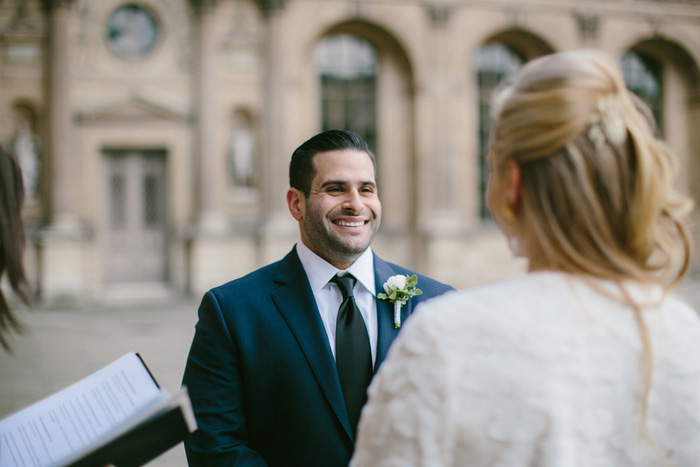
353	357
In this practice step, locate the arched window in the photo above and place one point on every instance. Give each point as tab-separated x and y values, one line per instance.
347	66
495	62
643	75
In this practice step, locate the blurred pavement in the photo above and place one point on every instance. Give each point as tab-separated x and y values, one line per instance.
60	347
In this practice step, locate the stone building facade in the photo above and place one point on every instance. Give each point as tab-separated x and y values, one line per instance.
155	135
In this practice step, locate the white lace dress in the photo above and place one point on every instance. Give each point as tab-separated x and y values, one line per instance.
542	370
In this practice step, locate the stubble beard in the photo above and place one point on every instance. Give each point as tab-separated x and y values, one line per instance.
331	246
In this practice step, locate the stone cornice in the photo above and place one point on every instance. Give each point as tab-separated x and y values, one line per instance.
50	4
686	9
134	108
204	6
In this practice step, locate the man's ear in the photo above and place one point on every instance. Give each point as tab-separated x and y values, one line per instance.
514	181
296	203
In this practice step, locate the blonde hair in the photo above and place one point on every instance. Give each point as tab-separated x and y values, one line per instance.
601	208
595	177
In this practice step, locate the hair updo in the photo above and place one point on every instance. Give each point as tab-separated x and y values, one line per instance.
596	179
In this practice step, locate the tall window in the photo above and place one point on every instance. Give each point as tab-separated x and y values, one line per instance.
495	62
347	66
643	76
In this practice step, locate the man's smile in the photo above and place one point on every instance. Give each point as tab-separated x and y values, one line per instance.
343	223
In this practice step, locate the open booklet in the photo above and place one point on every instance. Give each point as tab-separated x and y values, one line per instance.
117	415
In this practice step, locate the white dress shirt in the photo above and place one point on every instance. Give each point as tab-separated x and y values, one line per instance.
328	297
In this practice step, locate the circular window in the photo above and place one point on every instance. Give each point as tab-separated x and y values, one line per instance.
132	31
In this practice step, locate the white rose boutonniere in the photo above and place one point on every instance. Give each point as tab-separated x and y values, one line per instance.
399	289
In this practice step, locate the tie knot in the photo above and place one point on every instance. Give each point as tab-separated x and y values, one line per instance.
345	283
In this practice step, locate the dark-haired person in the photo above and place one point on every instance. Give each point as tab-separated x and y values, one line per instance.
272	380
11	241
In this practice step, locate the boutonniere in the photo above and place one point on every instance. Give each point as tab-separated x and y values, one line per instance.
399	289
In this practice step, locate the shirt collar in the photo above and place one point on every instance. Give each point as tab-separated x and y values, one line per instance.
319	271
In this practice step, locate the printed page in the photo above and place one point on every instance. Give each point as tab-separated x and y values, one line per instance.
56	428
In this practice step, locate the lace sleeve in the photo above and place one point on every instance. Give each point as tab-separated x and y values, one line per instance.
407	418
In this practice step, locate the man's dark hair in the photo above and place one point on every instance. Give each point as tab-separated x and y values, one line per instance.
302	169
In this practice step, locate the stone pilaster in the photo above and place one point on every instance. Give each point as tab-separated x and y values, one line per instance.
64	244
212	236
274	236
210	219
63	160
439	211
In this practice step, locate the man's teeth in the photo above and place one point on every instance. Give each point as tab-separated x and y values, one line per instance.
350	224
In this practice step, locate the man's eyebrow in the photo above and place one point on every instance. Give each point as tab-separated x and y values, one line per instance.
334	182
344	183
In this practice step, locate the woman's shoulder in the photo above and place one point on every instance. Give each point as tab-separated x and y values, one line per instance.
499	313
498	299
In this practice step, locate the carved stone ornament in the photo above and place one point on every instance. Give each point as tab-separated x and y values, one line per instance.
439	15
49	4
204	6
270	7
22	20
588	25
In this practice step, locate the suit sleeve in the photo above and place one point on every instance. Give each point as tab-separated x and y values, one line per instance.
213	379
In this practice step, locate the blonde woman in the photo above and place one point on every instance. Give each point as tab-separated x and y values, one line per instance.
586	360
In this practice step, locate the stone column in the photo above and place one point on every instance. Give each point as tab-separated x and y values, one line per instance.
210	241
438	170
63	159
439	210
275	233
64	245
210	219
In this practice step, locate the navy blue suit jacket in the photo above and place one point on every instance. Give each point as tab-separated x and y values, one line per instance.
261	374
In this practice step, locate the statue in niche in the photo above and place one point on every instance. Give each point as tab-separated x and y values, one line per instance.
27	147
242	153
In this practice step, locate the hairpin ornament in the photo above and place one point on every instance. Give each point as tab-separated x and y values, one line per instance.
608	124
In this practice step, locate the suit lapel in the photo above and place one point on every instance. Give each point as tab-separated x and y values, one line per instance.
385	311
296	303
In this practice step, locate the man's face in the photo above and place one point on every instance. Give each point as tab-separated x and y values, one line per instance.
342	213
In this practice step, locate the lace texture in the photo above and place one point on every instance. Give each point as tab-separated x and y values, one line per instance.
542	370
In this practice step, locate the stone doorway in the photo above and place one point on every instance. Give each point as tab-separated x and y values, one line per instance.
134	217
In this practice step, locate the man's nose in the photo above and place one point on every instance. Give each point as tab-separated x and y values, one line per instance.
353	201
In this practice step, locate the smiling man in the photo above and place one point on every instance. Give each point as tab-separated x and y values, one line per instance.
281	358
